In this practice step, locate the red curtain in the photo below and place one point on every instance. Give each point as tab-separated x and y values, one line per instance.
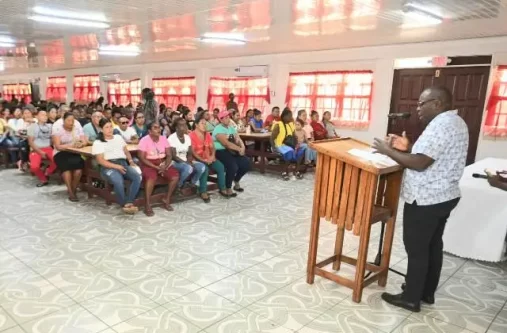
172	91
17	90
124	92
346	94
56	90
250	93
86	88
496	111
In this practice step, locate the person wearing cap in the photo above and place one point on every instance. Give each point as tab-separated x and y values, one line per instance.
230	150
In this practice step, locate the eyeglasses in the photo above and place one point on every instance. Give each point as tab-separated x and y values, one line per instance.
421	104
124	123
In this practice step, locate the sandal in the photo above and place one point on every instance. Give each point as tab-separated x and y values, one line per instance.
130	209
298	175
42	184
238	188
148	212
167	205
225	195
285	176
73	199
205	199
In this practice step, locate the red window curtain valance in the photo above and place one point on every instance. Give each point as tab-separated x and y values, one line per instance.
172	91
346	94
250	93
86	88
496	110
56	90
124	92
18	91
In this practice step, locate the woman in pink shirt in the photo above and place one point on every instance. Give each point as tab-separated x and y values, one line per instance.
156	158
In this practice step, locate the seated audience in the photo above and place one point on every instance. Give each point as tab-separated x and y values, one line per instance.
71	165
6	139
319	131
92	129
52	115
204	152
156	158
256	123
215	119
166	129
128	134
331	131
39	139
117	165
230	150
24	148
183	158
117	114
284	141
237	122
139	125
210	125
310	154
272	118
249	116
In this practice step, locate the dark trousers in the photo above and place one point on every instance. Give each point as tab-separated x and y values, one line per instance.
236	166
423	228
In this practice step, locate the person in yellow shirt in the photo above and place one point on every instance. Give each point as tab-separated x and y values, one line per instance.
285	142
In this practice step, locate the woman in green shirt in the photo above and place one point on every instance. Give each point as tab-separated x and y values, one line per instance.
230	150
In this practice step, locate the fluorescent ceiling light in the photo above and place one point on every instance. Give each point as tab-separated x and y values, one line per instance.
416	15
4	44
120	50
7	39
64	21
90	16
117	53
223	38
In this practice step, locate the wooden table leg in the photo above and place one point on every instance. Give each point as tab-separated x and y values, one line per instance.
386	252
313	248
263	156
89	179
338	247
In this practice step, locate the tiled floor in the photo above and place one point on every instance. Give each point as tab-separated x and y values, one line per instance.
233	266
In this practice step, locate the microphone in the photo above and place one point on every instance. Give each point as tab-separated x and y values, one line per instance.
479	175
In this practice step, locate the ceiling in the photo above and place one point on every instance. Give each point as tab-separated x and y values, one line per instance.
168	30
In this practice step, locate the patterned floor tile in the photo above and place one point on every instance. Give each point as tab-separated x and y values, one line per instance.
5	321
33	302
322	291
500	323
289	310
473	291
246	321
21	280
70	320
156	321
479	269
202	271
474	317
339	323
203	308
168	256
241	289
130	270
425	324
165	287
119	305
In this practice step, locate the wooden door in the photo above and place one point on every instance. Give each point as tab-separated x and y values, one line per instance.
467	84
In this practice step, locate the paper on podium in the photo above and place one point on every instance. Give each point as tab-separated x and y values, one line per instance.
377	159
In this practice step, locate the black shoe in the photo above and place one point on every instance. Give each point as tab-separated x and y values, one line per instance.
397	300
41	184
426	299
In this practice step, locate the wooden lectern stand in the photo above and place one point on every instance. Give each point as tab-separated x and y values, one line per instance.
354	194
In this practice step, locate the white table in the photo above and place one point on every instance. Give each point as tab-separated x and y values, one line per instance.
478	226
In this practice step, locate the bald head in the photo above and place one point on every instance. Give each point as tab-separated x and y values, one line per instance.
432	102
441	94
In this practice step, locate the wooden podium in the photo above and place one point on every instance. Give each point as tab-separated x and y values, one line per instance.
353	193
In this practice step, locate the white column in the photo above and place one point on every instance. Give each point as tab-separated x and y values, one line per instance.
202	81
43	83
69	80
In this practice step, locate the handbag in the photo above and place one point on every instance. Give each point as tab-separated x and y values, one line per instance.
289	139
232	139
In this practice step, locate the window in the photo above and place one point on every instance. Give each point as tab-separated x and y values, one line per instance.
250	93
346	94
124	92
56	90
172	91
86	88
18	91
496	116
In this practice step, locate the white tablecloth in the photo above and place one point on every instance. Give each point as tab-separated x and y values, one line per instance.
478	226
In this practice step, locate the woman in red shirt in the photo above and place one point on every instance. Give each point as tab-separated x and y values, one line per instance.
319	131
204	151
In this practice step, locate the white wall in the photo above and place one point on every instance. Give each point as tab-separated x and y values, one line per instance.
380	59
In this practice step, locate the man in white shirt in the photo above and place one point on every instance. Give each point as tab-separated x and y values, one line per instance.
434	165
129	134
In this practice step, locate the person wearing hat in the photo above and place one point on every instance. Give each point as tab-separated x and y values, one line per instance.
230	150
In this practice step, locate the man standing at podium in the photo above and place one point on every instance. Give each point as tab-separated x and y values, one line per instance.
430	189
